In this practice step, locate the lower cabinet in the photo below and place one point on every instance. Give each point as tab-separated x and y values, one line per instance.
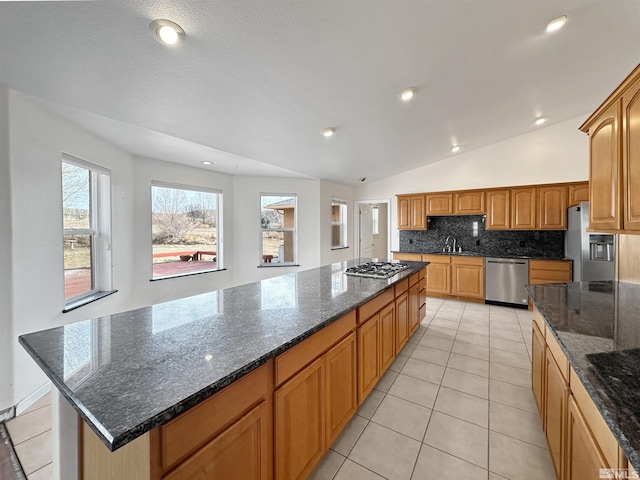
538	347
455	276
368	357
584	458
402	320
556	397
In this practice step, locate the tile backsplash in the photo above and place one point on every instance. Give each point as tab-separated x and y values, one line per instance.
469	232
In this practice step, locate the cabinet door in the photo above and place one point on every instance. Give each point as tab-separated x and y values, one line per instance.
439	278
523	208
404	213
604	171
341	386
418	215
414	308
556	396
498	213
402	320
299	423
387	336
583	458
439	203
631	157
241	451
468	281
578	192
468	203
552	207
537	367
368	357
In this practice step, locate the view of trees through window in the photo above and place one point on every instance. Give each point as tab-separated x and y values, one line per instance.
184	230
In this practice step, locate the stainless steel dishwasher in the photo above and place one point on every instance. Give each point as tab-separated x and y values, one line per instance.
505	279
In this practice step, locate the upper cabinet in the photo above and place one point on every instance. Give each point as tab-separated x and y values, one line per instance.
578	192
468	203
614	168
439	203
411	212
552	207
523	209
498	210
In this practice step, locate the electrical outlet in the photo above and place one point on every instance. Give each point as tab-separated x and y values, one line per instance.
411	241
522	243
477	242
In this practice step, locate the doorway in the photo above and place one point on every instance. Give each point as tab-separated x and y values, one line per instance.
372	227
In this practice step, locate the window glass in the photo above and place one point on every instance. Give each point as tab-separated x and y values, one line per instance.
278	229
185	230
338	223
375	227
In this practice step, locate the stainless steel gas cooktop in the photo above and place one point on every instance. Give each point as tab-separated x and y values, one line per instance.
376	269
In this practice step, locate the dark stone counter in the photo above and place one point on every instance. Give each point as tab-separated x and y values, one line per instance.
597	324
128	373
485	255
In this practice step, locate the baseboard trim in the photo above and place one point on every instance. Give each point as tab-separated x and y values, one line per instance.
33	398
7	414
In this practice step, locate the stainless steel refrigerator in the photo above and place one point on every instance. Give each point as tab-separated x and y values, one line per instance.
593	254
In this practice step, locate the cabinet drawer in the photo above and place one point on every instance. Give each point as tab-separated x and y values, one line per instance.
296	358
467	260
436	258
183	435
401	287
539	321
413	279
549	276
557	353
375	305
423	273
554	265
409	257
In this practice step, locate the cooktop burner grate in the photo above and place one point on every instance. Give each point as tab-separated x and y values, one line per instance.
376	269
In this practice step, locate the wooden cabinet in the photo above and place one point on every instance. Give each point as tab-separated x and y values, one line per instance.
556	393
552	207
368	357
498	210
523	208
538	347
583	458
614	167
439	203
410	257
578	192
467	275
468	203
387	336
341	393
402	320
414	303
411	212
438	274
550	271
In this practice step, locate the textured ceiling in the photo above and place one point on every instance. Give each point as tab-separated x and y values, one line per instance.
255	81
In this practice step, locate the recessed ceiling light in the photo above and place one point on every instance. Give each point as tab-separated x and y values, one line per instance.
328	132
407	94
166	31
556	23
455	148
206	162
540	120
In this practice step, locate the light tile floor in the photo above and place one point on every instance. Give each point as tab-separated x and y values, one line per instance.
455	404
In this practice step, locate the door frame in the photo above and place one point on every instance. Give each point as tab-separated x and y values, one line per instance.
356	221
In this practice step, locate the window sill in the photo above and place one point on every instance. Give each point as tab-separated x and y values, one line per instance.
189	274
86	300
339	248
277	265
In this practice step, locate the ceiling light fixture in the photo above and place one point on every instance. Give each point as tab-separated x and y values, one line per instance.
166	31
540	120
556	23
455	148
328	132
207	162
407	94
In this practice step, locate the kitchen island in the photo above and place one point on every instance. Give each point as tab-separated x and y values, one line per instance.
237	354
586	374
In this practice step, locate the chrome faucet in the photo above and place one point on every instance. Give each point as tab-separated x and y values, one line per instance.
449	248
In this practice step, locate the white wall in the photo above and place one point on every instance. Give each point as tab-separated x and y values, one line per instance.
246	225
344	192
6	290
557	153
145	171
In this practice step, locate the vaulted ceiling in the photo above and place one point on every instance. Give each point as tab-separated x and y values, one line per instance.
255	81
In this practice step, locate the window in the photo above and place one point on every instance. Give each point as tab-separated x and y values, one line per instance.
186	230
277	229
86	223
338	223
375	226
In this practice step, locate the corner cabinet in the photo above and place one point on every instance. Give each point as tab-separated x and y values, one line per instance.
411	212
614	151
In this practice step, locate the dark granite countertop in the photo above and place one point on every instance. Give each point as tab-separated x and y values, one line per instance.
130	372
485	255
597	324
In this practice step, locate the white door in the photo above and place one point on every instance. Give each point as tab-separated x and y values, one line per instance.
366	231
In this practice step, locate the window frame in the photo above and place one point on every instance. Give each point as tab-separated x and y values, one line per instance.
261	230
99	231
219	226
341	224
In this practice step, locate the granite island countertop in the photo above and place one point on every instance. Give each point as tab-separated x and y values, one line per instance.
597	325
130	372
